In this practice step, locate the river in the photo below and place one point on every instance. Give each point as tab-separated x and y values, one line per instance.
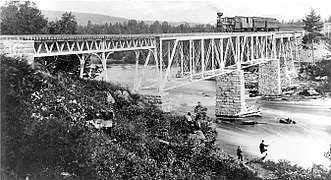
303	143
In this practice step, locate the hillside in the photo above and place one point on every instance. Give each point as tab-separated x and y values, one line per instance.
83	18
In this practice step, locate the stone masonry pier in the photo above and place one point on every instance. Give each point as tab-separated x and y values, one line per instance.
269	78
230	94
159	100
18	49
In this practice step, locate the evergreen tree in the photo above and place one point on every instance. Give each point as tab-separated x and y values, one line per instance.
155	28
165	27
313	26
21	18
143	28
132	27
89	27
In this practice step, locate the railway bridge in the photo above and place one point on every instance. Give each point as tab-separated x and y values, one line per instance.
180	59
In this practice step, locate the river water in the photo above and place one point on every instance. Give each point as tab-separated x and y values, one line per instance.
303	143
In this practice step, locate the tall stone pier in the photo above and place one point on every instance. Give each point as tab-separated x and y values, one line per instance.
18	49
230	94
269	78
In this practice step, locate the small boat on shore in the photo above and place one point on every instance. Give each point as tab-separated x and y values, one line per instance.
286	120
249	122
252	122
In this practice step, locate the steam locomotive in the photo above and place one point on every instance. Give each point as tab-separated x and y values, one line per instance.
242	23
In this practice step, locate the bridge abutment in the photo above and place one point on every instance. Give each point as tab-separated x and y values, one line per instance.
18	49
269	82
159	100
230	91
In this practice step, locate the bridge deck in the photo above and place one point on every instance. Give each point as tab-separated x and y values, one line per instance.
135	36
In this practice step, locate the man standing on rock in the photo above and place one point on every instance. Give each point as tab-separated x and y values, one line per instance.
239	153
262	147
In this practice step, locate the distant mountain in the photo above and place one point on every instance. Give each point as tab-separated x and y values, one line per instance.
82	18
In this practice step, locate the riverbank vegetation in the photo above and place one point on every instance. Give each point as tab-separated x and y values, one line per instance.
45	134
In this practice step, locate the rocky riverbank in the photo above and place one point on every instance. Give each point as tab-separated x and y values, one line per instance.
298	90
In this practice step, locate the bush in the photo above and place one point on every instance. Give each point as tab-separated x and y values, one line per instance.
285	170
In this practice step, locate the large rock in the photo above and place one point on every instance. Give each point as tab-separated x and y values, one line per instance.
100	123
197	138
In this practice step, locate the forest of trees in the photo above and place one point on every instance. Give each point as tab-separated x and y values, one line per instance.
140	27
32	21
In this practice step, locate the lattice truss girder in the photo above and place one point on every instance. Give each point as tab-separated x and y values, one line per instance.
287	52
194	57
198	58
80	46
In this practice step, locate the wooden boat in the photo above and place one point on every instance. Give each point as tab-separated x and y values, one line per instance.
249	122
286	121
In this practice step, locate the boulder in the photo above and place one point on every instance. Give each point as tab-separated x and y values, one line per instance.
126	95
197	138
100	123
110	98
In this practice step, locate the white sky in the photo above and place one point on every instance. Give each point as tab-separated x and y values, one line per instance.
199	11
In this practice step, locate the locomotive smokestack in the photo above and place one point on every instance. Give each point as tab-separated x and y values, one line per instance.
219	14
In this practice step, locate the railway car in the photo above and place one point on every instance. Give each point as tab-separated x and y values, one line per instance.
271	24
258	24
242	23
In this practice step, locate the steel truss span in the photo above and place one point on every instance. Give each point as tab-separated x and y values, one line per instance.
187	59
177	59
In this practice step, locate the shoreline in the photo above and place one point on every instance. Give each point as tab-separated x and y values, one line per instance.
302	110
306	132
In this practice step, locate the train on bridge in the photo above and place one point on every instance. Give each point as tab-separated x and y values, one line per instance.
244	24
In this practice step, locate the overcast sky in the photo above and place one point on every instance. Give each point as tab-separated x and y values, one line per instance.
198	11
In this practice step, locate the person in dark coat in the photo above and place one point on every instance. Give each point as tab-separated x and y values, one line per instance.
239	153
188	117
200	111
263	147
